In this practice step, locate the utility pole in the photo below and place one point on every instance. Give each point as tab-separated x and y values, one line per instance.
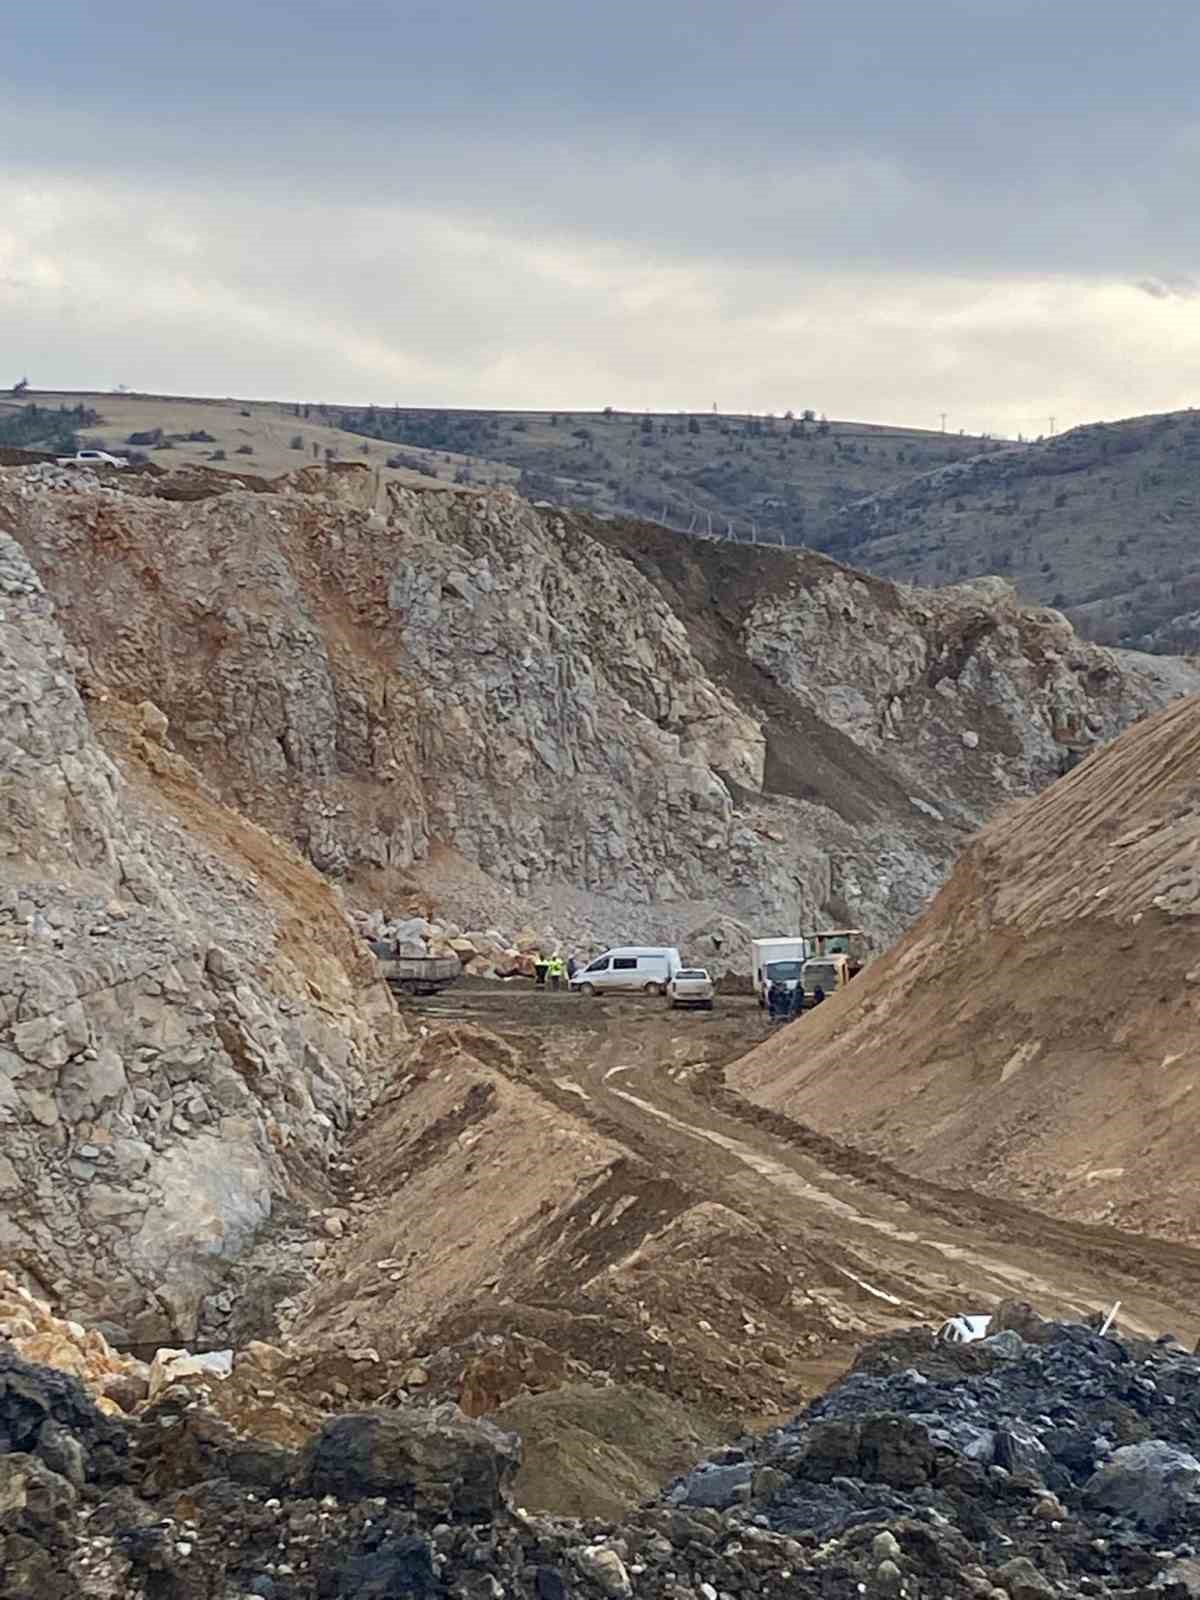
943	422
1052	425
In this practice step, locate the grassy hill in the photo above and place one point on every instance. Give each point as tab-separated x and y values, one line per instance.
777	479
1103	522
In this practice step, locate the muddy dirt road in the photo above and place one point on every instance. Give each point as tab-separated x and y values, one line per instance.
886	1247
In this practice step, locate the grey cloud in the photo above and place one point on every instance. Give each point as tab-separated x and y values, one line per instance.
1169	288
539	202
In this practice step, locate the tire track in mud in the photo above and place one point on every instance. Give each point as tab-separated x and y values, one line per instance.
881	1242
1010	1280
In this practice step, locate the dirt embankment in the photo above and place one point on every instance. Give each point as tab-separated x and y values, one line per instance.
1034	1035
558	1218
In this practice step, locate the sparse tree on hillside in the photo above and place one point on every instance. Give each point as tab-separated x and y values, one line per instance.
316	451
693	425
21	386
808	414
297	443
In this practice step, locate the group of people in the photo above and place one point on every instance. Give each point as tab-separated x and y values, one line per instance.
552	970
785	1005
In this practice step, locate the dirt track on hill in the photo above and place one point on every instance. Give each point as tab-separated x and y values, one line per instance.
558	1203
894	1248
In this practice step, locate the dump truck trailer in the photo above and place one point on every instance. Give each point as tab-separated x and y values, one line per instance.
414	974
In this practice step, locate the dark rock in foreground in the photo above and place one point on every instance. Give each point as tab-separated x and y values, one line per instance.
1059	1464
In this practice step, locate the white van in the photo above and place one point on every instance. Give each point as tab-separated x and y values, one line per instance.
642	968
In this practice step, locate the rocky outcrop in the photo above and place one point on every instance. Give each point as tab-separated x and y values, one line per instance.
173	1065
608	732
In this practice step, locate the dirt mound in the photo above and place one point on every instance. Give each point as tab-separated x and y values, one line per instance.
512	1244
1034	1034
594	1452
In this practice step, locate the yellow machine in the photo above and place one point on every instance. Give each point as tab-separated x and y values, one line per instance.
839	954
848	942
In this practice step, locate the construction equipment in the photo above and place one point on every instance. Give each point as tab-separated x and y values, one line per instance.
849	942
838	954
826	973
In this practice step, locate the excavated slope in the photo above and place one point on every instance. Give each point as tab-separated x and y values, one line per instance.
187	1023
1034	1035
607	730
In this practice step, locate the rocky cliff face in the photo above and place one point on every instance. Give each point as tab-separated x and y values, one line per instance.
608	731
175	1061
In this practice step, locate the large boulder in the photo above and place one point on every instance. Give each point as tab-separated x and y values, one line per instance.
1152	1483
433	1460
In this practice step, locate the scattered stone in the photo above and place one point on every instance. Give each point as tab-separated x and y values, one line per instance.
152	722
605	1569
885	1547
1021	1580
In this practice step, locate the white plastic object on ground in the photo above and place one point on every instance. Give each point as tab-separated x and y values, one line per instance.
963	1329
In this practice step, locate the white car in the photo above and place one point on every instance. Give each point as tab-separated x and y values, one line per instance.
92	458
691	986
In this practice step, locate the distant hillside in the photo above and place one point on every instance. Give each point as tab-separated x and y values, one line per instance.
777	479
1103	522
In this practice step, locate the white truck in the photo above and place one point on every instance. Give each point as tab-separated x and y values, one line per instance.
777	961
92	458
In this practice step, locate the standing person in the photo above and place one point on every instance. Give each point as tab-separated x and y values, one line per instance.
572	967
778	1000
540	966
555	971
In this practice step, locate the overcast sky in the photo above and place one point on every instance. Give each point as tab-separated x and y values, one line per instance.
883	210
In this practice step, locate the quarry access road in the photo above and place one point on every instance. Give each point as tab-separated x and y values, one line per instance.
890	1248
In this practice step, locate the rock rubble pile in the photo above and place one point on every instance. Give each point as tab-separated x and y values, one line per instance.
486	953
1040	1462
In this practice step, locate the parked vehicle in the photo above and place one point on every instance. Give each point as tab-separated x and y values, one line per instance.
848	942
691	986
827	973
92	458
414	974
639	968
777	961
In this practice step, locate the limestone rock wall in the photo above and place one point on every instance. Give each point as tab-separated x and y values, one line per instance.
495	705
971	696
169	1069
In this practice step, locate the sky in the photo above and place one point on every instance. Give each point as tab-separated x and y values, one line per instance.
883	211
